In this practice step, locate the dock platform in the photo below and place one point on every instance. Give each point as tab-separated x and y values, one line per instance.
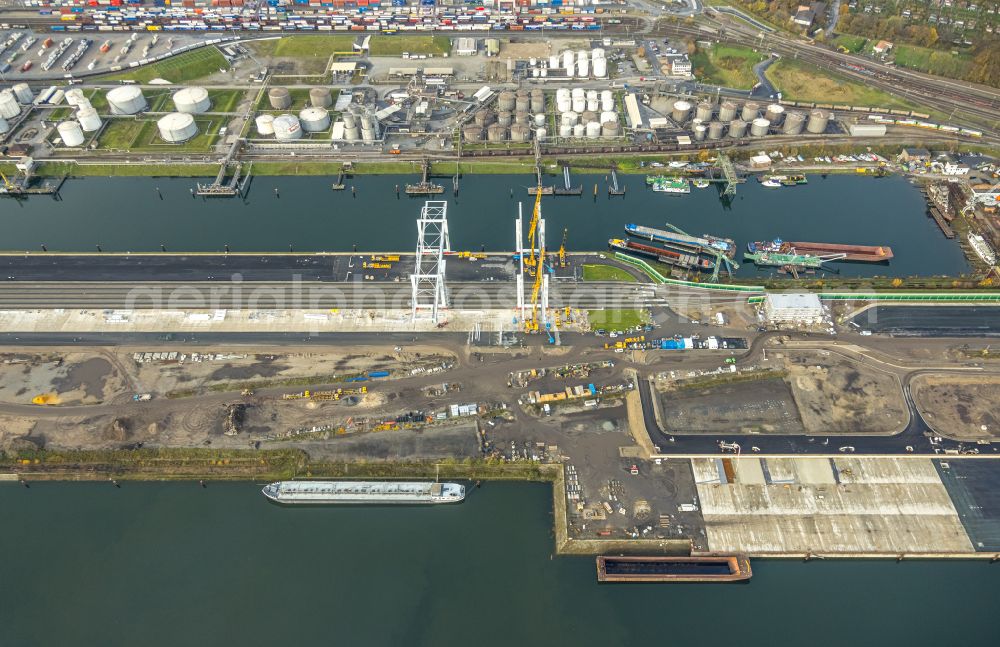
709	568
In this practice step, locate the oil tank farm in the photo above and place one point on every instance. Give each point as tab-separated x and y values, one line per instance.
314	120
71	133
496	133
705	110
505	101
287	128
750	111
759	126
320	98
680	111
177	127
472	133
715	130
774	114
279	98
794	122
9	107
192	101
737	128
818	121
89	120
727	111
126	100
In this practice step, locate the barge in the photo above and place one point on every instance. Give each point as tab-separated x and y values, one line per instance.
677	258
709	568
672	185
704	242
778	259
363	492
857	253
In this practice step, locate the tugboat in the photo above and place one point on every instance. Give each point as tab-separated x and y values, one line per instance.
701	184
672	185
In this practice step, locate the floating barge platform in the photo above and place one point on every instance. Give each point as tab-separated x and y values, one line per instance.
677	258
703	243
857	253
711	568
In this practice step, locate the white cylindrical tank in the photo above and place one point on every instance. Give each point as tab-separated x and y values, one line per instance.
553	61
579	105
286	127
818	121
193	101
699	132
596	53
541	134
579	93
279	98
593	106
71	133
314	120
506	101
704	110
759	126
177	127
737	128
600	68
564	104
350	120
794	121
75	96
320	97
592	95
505	118
568	61
126	100
563	93
265	125
607	101
727	111
57	97
582	55
88	118
24	93
593	130
583	68
540	119
715	130
569	118
579	131
681	110
532	61
608	115
774	113
750	110
8	105
4	126
565	131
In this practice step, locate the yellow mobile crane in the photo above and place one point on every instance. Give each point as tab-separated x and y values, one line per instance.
532	323
532	230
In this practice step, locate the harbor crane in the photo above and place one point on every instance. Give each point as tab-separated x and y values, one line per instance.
721	260
533	229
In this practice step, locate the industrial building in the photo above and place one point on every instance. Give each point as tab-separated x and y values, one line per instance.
800	308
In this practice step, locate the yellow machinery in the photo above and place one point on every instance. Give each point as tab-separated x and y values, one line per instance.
532	323
7	184
532	230
562	249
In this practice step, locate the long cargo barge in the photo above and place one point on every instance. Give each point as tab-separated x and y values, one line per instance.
777	259
858	253
668	256
363	492
704	242
710	568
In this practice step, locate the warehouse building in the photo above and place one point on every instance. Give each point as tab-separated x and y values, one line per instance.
802	308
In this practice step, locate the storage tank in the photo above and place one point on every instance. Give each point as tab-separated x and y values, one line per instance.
4	126
126	100
71	133
750	111
583	69
279	98
24	93
818	121
177	127
314	120
540	119
608	115
522	117
563	93
287	128
8	105
472	134
582	55
554	61
350	120
567	62
496	133
520	133
484	118
88	118
759	126
367	129
569	118
74	97
265	124
715	129
727	111
588	116
705	110
522	104
579	93
699	132
774	113
579	131
320	98
593	105
593	129
537	101
607	101
564	104
565	131
609	129
192	101
737	128
505	118
680	111
540	134
579	104
600	68
57	97
596	53
794	121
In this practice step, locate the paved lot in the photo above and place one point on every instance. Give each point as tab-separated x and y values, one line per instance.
932	321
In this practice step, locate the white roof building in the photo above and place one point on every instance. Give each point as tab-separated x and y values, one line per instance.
803	308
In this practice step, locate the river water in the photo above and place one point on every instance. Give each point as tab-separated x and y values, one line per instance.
128	214
156	564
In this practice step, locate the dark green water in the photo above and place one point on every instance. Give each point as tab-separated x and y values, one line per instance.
174	564
125	214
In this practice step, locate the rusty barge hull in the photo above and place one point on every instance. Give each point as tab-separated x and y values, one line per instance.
857	253
708	568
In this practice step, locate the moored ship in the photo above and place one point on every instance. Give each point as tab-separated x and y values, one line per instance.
664	184
708	568
363	492
983	249
777	259
829	251
671	257
703	242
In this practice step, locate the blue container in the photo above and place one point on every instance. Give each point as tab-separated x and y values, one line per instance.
379	374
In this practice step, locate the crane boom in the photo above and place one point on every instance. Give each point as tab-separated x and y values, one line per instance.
536	213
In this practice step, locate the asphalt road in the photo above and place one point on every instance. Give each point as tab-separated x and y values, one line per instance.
931	321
